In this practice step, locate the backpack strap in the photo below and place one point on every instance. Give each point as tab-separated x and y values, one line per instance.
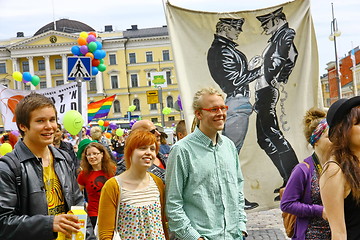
15	167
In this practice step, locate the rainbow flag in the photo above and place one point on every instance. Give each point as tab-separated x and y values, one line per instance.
100	108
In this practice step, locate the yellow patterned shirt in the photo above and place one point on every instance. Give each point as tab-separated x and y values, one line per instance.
54	194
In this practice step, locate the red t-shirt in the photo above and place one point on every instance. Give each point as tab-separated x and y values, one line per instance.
93	183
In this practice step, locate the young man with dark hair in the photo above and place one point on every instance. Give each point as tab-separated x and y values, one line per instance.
48	185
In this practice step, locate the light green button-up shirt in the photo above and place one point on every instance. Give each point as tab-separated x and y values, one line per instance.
204	189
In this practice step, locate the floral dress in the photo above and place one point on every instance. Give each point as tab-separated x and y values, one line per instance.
140	214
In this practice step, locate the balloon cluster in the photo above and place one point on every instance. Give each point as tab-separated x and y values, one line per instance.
26	77
89	47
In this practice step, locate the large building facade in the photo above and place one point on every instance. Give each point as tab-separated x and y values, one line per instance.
131	56
349	75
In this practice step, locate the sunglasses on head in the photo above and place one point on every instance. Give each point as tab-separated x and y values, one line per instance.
153	131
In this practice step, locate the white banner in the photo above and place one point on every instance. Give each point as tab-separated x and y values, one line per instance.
266	63
65	98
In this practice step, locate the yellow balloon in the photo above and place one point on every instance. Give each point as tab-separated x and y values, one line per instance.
5	148
17	76
84	34
101	122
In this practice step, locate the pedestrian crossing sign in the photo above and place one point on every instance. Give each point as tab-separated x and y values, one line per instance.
79	67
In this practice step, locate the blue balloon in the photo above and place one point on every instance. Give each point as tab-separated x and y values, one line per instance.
27	76
97	54
95	71
75	50
103	54
99	45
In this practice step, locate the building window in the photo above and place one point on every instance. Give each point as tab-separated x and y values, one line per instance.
117	106
26	86
42	84
41	65
154	120
134	80
25	66
170	102
327	89
166	55
149	79
132	57
114	82
153	106
58	63
112	59
172	118
149	57
136	102
168	77
59	82
92	85
2	68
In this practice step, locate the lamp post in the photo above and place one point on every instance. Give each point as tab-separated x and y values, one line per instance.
334	34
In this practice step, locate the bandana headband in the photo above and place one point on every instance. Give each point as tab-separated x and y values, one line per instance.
319	130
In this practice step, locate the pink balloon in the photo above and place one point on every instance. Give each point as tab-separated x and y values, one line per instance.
84	49
91	38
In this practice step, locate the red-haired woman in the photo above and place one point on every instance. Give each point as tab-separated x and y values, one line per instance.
132	203
97	167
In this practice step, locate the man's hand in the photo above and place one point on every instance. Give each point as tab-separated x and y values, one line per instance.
66	223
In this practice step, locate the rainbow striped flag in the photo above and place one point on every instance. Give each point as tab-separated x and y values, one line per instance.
100	108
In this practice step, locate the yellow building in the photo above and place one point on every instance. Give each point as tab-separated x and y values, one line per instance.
131	56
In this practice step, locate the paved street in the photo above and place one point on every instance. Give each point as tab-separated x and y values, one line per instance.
265	225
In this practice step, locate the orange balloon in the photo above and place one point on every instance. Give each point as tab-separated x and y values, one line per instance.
89	54
82	41
108	135
92	33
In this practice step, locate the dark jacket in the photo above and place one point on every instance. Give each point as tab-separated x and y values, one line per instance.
68	147
30	220
229	67
280	56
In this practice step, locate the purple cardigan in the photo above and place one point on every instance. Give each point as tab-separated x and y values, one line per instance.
297	198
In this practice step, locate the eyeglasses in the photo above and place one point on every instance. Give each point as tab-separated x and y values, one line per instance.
153	131
93	154
216	109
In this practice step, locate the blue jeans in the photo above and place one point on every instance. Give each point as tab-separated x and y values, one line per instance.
237	120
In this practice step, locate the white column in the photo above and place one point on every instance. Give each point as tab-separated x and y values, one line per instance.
64	67
48	72
99	83
31	70
16	67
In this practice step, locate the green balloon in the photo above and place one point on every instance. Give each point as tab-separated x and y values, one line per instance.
92	46
119	132
73	122
35	80
102	61
101	67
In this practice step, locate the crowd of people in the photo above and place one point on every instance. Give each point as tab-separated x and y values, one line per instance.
190	190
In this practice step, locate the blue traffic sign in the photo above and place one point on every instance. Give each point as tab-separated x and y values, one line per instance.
79	67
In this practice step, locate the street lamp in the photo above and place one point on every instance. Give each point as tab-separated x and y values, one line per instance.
334	34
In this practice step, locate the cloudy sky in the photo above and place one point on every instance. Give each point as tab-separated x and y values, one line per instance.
28	16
